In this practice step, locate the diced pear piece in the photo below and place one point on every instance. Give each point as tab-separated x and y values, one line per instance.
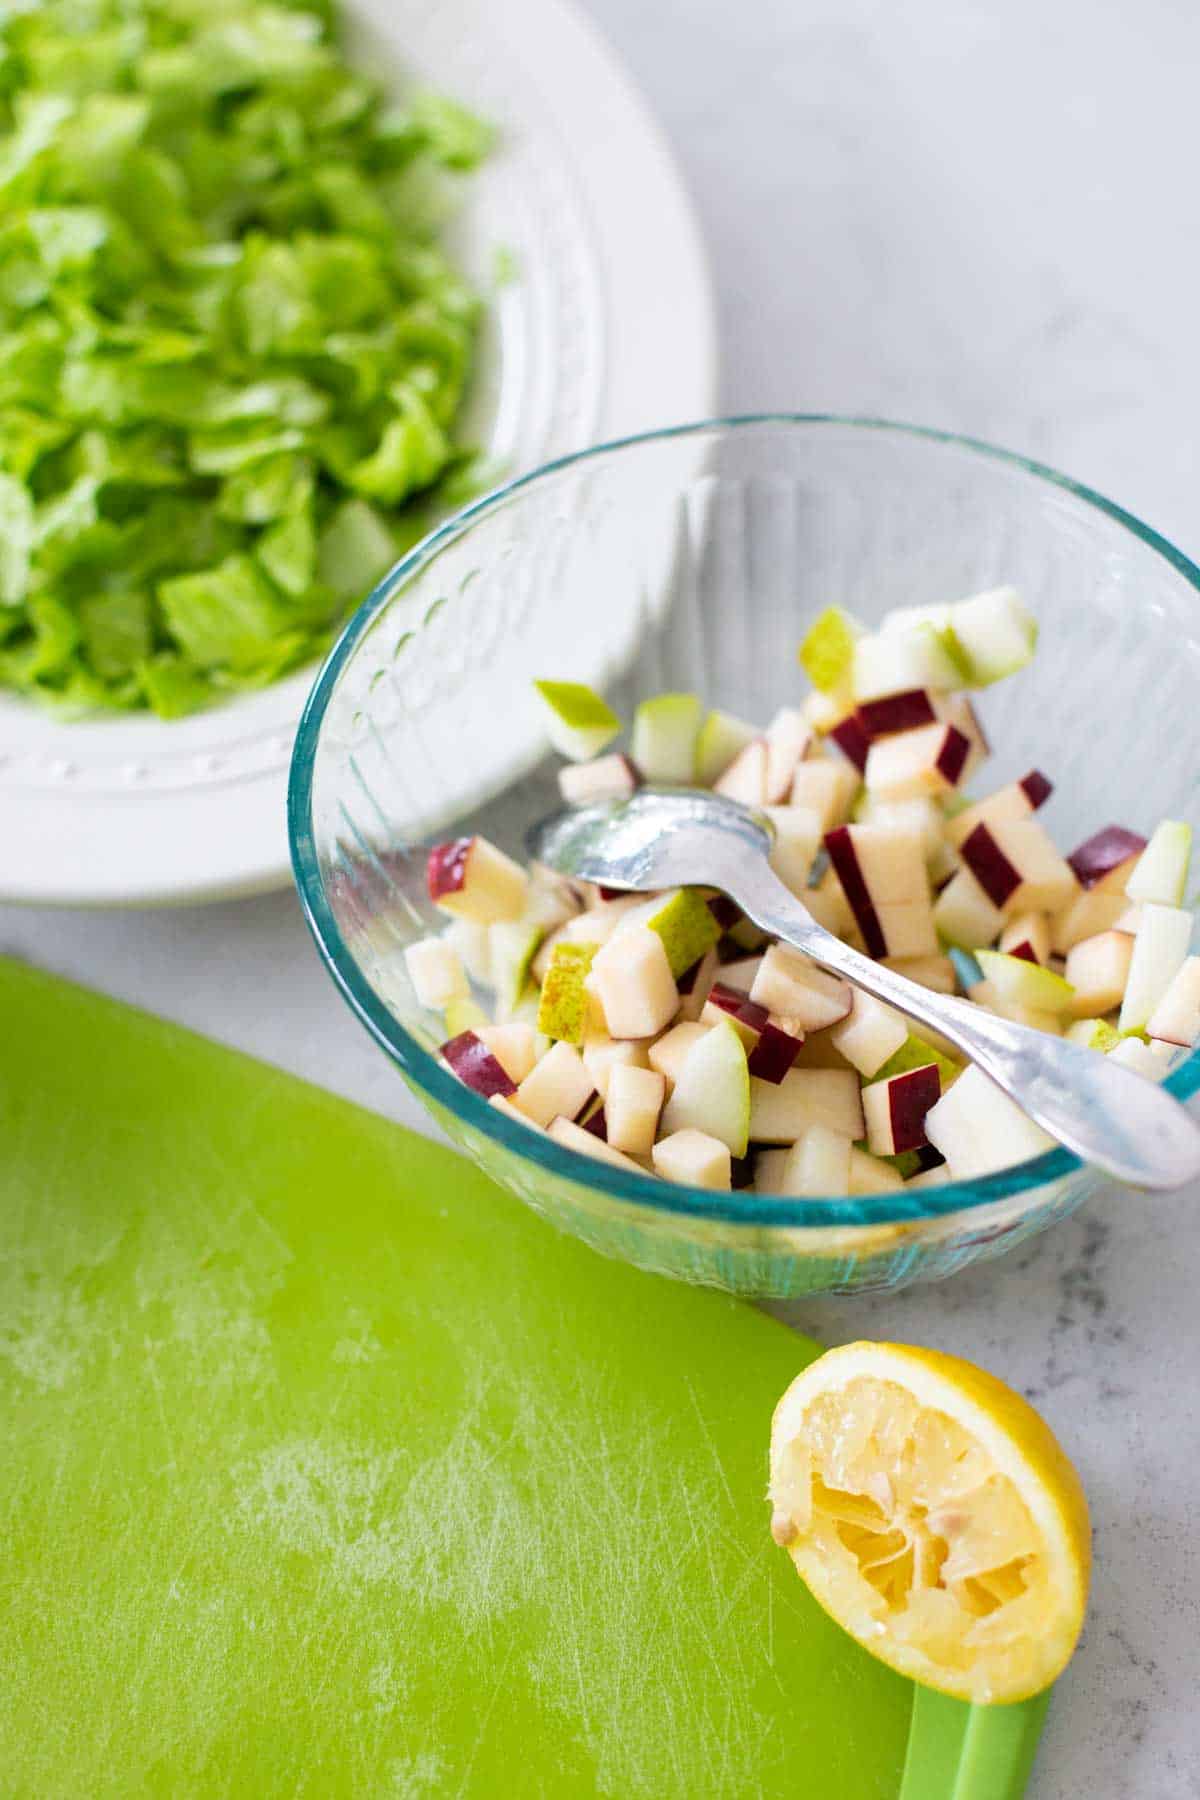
934	972
788	738
693	1159
436	972
993	635
631	1108
781	1113
1152	1060
721	738
1028	984
631	977
1161	872
870	1176
514	944
746	777
792	984
797	838
827	652
1087	914
565	1006
579	723
669	1053
827	788
464	1014
1176	1018
665	730
559	1083
712	1090
611	777
1028	936
1094	1034
602	1054
685	923
514	1046
1159	951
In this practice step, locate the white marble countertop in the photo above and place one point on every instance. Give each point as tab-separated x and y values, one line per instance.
960	214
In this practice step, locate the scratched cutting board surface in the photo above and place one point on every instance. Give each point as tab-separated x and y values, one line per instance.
330	1469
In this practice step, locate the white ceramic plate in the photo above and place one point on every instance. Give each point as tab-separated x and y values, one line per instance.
607	329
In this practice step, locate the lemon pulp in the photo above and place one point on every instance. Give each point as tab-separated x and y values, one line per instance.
933	1514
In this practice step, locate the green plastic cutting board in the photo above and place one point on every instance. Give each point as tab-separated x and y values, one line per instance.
330	1469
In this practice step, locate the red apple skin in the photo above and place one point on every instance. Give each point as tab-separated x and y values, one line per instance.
910	1097
989	865
1036	787
1103	851
1025	951
741	1170
476	1067
725	911
928	1158
896	712
840	845
852	740
446	868
597	1124
687	980
774	1054
952	757
741	1007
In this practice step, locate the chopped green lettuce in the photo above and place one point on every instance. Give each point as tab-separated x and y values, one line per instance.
232	350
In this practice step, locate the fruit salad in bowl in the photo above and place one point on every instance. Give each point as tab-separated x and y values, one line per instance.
822	636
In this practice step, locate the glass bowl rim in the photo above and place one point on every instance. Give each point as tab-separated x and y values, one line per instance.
769	1212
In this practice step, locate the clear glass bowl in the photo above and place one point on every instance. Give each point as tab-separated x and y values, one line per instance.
694	559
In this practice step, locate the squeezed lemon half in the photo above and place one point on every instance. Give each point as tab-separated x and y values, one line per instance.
935	1516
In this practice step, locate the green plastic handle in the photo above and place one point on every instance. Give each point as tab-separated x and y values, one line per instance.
961	1752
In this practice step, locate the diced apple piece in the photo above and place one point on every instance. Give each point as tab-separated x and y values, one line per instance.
602	1054
818	1164
1128	920
956	709
1161	871
472	943
470	878
564	1131
579	724
514	1046
994	635
797	838
608	778
1099	857
634	1100
746	777
436	973
500	1103
824	711
721	739
916	1052
464	1014
693	1159
870	1034
770	1171
669	1053
1029	985
825	787
475	1065
776	1050
1098	969
712	1090
982	993
728	1005
665	730
827	652
929	760
631	977
870	1176
936	1177
882	871
791	983
895	1109
1094	1034
851	739
1176	1018
1018	800
978	1129
565	1007
934	972
897	712
1159	952
740	973
1018	867
559	1083
1087	915
829	907
781	1113
1027	936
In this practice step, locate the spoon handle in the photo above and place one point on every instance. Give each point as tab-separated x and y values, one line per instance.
1106	1114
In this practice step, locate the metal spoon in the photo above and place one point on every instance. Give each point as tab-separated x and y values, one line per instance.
678	837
